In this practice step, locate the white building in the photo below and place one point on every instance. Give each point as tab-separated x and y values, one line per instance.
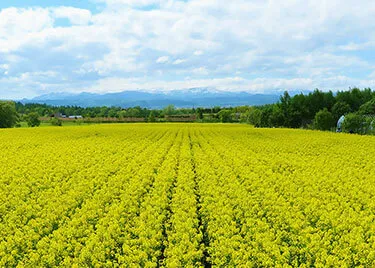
75	117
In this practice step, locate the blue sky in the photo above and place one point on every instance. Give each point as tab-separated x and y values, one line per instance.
256	46
90	5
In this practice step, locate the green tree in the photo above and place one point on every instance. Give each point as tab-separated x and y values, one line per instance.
244	118
324	120
277	117
134	112
284	104
225	116
368	108
340	108
266	112
199	113
113	112
103	111
355	97
254	117
151	117
356	123
8	114
33	120
319	100
56	122
169	110
122	114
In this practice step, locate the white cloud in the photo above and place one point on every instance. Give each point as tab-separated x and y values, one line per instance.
77	16
117	84
372	74
14	21
16	25
4	69
257	85
357	46
200	71
179	61
293	43
4	66
138	3
163	59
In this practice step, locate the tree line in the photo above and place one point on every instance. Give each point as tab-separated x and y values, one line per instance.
315	110
151	115
318	110
44	110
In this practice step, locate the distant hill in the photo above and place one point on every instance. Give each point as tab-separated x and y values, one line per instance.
193	97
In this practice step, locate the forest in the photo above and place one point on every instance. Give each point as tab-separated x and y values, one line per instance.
318	110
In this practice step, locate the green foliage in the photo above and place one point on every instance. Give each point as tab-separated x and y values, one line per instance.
151	118
319	100
355	97
209	119
33	120
299	111
356	123
324	120
340	108
199	113
169	110
133	112
254	116
277	117
56	122
304	110
8	114
368	108
225	116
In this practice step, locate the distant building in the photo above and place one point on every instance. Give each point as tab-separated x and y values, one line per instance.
75	117
58	115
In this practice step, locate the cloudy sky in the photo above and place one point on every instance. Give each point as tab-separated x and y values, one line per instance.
238	45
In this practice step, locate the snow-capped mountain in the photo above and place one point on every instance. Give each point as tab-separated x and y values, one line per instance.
193	97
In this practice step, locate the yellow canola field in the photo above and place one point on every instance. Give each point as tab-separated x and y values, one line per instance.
185	195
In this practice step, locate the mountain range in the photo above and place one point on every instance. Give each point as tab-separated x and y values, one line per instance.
193	97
